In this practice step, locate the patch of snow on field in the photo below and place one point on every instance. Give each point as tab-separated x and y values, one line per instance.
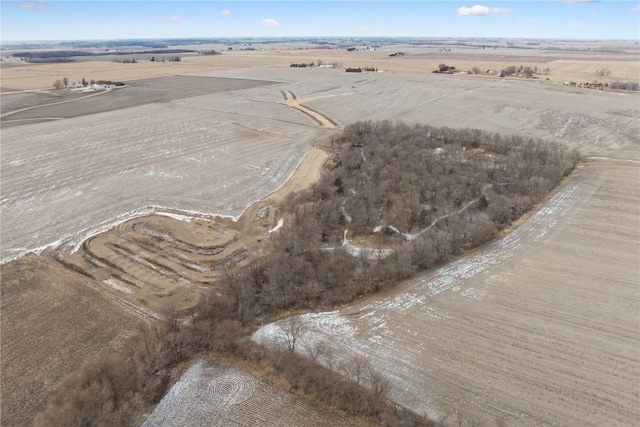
404	302
269	333
333	322
201	395
15	253
277	227
163	174
184	218
317	325
436	313
197	267
369	253
474	293
95	261
118	285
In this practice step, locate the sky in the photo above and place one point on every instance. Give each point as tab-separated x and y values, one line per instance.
99	20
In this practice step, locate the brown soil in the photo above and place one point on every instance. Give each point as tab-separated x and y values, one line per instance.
53	320
134	93
292	101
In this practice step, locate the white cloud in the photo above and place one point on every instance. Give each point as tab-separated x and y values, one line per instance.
225	12
34	5
636	9
270	22
593	15
157	18
576	24
581	1
479	10
365	30
175	18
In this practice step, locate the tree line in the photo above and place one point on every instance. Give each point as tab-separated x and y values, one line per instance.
118	389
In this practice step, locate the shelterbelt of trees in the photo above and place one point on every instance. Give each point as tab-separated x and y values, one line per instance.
420	193
424	194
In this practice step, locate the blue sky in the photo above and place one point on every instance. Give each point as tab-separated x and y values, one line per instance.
87	20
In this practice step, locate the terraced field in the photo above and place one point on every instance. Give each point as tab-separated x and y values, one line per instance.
164	261
81	175
539	328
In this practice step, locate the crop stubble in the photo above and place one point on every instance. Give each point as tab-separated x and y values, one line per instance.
217	393
52	321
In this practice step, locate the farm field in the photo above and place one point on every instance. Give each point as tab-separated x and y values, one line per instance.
539	328
73	175
133	273
567	62
595	122
218	153
53	320
159	262
135	93
126	203
217	393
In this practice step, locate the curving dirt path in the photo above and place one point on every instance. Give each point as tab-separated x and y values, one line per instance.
292	101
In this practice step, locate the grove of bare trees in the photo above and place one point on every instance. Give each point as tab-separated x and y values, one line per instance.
427	193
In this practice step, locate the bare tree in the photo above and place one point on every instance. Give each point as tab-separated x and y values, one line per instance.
378	382
230	278
65	82
357	368
317	349
294	327
475	70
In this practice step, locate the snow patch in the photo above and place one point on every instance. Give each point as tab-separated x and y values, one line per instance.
118	285
277	227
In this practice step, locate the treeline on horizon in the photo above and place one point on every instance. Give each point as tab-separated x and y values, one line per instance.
71	53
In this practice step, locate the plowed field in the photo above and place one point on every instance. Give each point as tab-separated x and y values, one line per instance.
221	394
53	320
